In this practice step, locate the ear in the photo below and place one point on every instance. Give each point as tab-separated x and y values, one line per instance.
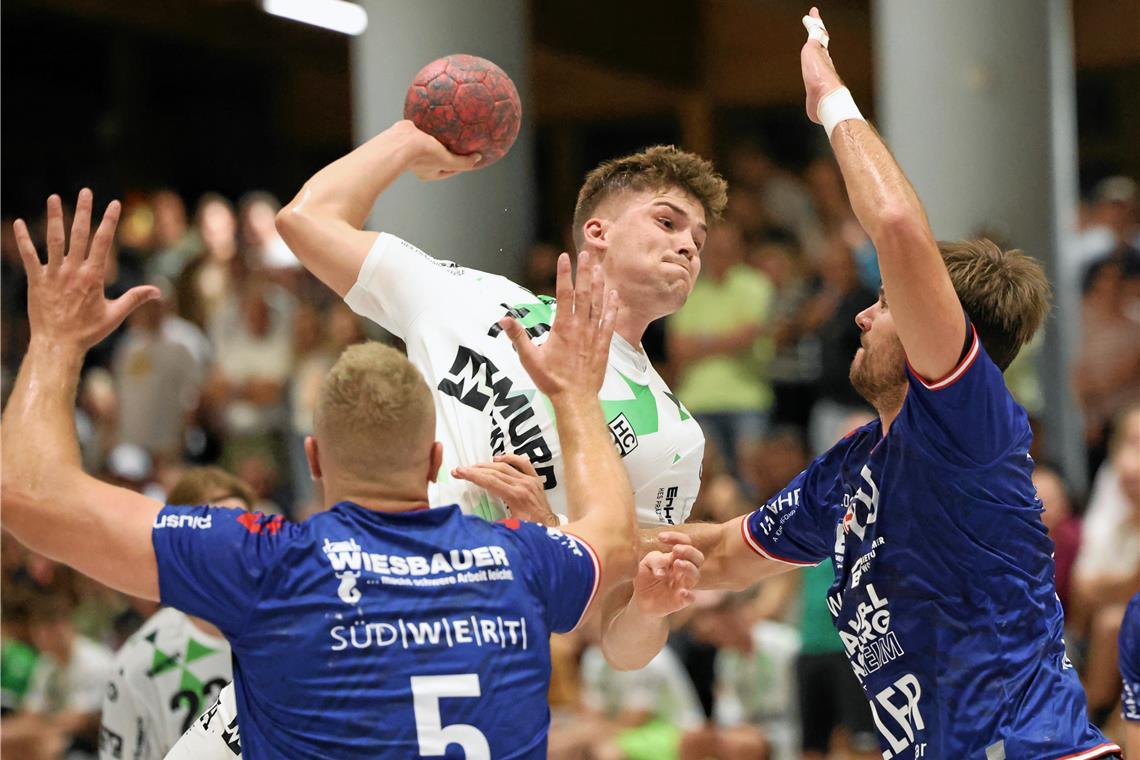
596	235
435	462
312	455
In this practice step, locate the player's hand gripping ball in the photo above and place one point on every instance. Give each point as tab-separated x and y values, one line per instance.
467	103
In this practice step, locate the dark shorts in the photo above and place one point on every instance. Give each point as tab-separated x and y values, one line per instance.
830	696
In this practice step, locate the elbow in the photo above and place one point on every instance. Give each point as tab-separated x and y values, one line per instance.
898	224
290	221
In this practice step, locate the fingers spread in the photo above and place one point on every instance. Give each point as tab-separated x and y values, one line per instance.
605	331
105	235
564	288
122	306
80	228
55	235
28	253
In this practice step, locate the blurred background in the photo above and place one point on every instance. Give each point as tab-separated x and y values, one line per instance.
1016	120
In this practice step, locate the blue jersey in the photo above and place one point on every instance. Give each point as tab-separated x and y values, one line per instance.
363	634
1130	660
943	593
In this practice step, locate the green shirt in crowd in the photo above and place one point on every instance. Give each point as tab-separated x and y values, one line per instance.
817	631
735	383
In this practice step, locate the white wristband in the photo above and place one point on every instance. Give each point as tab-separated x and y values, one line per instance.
837	106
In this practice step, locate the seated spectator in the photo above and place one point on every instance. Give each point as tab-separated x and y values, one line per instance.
794	367
158	381
637	714
1107	570
754	713
253	339
262	247
715	347
1107	373
67	681
206	284
830	316
173	245
1063	524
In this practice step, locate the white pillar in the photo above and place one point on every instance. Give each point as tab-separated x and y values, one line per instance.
977	101
483	219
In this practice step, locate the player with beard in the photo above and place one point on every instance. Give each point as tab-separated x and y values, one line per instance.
943	593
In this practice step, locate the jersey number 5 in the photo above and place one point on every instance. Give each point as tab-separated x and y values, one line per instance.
433	735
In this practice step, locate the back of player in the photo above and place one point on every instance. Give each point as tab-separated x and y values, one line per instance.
392	634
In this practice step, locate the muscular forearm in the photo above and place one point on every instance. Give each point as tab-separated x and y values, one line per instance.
879	191
322	225
40	446
630	639
347	188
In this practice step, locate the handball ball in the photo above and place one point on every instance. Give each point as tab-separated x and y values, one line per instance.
467	103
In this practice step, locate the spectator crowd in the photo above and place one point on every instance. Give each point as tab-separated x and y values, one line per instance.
224	371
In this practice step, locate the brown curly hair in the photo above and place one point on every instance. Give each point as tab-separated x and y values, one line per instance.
658	167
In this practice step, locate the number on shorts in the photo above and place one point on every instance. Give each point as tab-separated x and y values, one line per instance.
433	735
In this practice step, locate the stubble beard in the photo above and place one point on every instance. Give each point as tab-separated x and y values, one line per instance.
881	379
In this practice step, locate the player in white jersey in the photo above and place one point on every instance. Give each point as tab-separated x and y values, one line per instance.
171	669
643	216
486	404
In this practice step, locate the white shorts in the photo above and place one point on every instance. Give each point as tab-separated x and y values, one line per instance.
214	735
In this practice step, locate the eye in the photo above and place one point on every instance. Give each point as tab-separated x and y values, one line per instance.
666	222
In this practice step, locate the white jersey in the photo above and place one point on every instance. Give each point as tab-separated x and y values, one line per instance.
164	677
486	404
215	735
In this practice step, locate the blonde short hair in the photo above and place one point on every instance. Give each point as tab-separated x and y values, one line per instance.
209	485
374	413
656	168
1005	294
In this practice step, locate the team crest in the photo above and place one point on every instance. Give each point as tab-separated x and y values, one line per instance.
625	440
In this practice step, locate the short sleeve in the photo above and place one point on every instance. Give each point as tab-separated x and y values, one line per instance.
398	282
212	560
1129	653
968	418
796	526
563	570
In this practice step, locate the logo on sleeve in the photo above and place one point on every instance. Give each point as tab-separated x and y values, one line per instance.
194	522
256	522
565	541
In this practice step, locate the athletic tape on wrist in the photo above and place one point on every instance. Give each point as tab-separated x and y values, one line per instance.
837	106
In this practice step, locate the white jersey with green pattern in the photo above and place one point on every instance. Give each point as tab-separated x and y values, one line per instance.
486	404
164	676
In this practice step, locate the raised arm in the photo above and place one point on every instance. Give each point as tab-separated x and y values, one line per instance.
50	504
569	368
323	224
926	309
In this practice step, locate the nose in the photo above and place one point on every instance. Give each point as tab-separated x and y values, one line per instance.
863	319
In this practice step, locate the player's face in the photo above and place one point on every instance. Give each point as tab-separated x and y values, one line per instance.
652	249
878	370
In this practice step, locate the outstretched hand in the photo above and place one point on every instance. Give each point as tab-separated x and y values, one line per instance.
665	580
820	77
66	303
573	359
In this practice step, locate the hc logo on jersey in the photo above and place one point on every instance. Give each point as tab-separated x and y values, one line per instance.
347	591
625	440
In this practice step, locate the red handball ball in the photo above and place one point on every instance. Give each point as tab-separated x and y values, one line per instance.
467	103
